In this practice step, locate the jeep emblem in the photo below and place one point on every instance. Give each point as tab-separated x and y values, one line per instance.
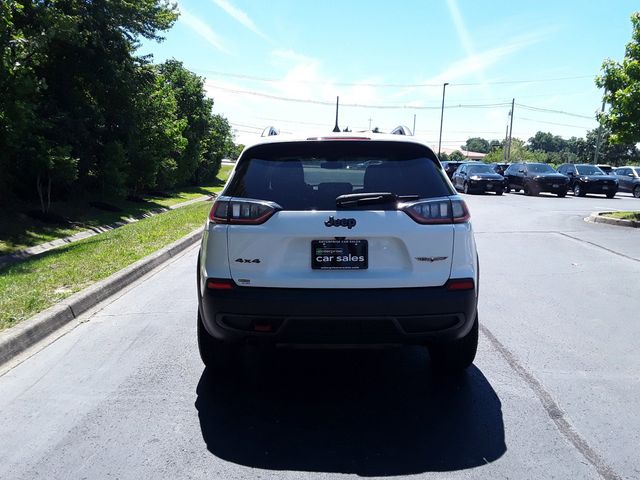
341	222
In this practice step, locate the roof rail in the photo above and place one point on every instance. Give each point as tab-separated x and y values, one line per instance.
401	130
270	131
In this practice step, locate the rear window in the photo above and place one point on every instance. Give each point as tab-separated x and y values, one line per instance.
311	175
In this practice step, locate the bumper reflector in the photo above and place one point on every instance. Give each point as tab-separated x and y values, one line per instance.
460	284
220	284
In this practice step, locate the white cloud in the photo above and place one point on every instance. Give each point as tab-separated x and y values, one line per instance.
202	29
239	16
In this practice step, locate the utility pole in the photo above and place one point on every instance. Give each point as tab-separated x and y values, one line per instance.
504	148
444	87
370	122
598	142
513	103
337	128
414	125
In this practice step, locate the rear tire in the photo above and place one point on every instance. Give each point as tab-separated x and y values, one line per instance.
507	189
636	191
455	356
499	192
611	195
214	353
578	191
562	193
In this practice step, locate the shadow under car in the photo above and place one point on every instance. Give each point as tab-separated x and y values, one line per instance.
365	412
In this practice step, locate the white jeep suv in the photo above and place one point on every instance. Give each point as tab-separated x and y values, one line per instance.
339	240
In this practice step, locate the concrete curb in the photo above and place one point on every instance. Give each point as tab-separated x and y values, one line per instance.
26	334
597	217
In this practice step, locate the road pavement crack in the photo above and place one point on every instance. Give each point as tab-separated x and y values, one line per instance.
553	410
598	246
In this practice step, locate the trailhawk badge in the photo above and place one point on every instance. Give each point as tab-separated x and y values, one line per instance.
431	259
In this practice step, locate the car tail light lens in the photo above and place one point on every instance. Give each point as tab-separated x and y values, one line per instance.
457	284
438	211
241	212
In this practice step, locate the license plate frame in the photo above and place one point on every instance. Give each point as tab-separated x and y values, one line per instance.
343	254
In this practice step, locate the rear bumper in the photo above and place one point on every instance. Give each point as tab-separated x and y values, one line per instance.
338	316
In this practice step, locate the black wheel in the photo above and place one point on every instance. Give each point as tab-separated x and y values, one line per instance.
465	188
507	189
562	193
517	190
457	355
499	192
214	353
636	191
578	191
611	194
527	190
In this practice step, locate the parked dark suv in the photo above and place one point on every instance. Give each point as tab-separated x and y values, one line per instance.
629	180
478	177
450	167
585	179
534	178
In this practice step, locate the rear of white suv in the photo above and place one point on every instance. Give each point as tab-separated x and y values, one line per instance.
339	241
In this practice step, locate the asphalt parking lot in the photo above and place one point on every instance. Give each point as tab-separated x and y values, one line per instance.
553	392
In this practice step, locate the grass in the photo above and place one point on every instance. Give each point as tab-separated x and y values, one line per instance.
36	284
624	215
19	231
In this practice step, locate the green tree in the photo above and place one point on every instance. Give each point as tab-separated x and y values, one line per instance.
195	108
616	154
477	144
457	156
219	145
519	153
621	83
155	137
547	142
67	90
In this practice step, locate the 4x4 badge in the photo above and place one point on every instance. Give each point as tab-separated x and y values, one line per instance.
341	222
431	259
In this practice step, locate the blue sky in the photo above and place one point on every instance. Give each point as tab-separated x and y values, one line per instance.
397	55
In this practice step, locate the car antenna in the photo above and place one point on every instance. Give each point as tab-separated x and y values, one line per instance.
337	128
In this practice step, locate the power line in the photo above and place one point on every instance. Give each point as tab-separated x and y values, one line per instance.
389	85
553	123
355	105
549	110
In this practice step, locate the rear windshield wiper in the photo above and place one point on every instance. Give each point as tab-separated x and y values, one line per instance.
354	200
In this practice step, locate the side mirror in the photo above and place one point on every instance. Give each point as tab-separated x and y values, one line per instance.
571	174
521	170
630	175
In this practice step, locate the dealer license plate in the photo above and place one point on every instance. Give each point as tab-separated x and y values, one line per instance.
345	254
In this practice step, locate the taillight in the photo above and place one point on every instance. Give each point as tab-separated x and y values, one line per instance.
438	211
241	212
